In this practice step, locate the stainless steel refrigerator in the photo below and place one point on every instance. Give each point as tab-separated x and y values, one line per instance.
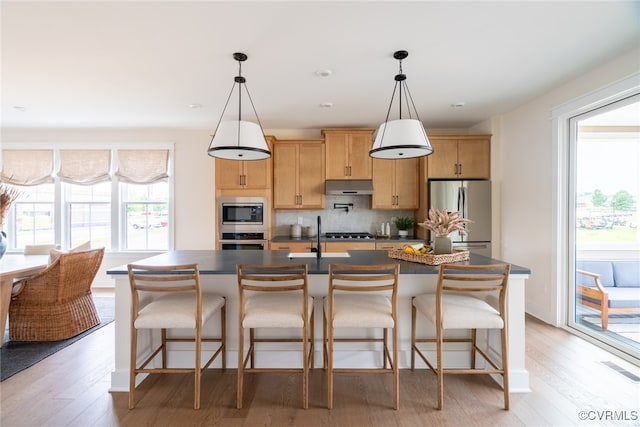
473	199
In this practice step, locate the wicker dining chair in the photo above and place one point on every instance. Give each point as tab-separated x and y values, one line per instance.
171	297
468	297
56	303
362	297
274	296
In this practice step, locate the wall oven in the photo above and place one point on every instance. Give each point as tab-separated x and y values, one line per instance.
242	223
243	241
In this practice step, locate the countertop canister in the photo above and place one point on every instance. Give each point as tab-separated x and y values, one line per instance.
295	231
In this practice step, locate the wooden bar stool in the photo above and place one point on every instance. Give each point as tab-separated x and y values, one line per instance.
170	297
274	297
362	296
467	297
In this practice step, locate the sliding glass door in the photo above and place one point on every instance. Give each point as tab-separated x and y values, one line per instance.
604	240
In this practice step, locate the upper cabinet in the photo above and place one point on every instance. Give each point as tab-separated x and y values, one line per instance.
395	184
298	174
347	151
244	174
460	156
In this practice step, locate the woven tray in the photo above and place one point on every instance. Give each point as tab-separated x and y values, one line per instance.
430	259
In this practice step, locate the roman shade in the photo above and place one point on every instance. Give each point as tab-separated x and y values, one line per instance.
27	167
142	166
85	167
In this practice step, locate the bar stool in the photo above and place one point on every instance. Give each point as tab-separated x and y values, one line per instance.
274	296
464	299
356	299
170	297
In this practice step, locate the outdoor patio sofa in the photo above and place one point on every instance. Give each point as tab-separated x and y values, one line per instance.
609	286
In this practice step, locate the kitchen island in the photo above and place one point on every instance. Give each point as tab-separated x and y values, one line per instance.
218	274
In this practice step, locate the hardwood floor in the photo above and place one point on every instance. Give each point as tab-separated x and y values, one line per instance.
70	388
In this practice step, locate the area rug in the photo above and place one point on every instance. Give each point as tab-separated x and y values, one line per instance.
18	355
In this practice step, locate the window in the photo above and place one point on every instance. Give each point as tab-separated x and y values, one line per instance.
34	216
89	213
598	176
117	198
146	213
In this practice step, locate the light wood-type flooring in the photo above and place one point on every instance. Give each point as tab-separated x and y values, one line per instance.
70	388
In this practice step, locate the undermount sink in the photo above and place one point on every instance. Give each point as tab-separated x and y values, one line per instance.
323	255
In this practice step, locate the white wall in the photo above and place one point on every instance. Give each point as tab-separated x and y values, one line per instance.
526	177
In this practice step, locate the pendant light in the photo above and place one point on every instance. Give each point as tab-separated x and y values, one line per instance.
239	139
402	138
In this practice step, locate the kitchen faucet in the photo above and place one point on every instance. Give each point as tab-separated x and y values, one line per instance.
319	250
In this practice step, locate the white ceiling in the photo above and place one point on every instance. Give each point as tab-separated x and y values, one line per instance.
141	64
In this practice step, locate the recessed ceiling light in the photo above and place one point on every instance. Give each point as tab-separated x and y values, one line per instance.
19	108
458	105
324	73
195	106
326	105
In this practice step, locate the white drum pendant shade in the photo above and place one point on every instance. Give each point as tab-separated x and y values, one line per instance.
239	140
401	139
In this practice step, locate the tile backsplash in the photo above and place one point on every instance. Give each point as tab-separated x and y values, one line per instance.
360	218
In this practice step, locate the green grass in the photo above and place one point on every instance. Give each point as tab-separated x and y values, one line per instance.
607	235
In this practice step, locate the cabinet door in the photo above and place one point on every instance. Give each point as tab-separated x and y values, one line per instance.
474	158
336	150
383	184
291	246
395	184
345	246
285	173
310	175
257	174
392	245
407	183
228	174
359	159
443	162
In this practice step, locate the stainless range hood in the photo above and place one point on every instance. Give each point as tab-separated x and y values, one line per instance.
348	187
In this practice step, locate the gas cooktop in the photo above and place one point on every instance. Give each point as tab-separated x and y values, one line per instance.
348	235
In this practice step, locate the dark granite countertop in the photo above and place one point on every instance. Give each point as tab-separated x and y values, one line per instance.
324	239
224	262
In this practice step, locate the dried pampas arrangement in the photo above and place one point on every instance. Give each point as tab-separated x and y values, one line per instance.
443	223
7	196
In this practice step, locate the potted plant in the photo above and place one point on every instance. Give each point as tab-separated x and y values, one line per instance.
7	196
404	224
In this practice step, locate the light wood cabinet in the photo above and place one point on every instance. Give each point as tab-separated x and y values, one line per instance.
460	156
293	246
395	184
244	174
347	153
388	245
345	246
298	174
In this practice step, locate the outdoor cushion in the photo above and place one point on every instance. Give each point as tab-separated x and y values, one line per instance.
603	268
627	274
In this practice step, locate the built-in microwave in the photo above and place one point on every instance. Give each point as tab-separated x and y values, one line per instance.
241	214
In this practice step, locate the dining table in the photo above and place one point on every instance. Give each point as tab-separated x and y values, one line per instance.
14	267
